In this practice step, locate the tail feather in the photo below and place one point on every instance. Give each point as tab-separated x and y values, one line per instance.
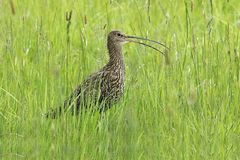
54	113
68	104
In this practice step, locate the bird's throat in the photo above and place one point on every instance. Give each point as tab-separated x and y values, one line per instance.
115	54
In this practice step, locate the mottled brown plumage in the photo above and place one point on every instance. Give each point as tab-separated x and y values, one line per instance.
105	87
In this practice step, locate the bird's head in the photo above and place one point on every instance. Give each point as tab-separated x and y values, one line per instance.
119	38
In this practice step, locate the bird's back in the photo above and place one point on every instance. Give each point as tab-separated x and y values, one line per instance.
98	92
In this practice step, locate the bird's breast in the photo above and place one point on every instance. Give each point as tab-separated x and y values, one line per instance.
116	81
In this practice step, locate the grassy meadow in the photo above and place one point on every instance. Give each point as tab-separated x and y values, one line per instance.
183	106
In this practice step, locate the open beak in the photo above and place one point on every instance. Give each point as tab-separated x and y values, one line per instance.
129	39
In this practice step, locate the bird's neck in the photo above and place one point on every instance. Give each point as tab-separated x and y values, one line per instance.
115	54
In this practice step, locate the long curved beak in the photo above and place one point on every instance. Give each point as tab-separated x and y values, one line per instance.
129	39
135	37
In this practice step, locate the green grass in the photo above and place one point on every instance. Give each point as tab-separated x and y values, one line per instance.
184	108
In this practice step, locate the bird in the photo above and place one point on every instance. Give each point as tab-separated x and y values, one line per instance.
102	89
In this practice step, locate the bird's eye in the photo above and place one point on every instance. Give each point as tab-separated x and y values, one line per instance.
118	34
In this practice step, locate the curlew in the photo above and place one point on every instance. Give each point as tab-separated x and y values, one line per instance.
105	87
